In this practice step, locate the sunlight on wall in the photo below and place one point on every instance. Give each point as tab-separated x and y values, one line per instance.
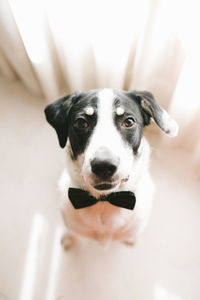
183	30
93	41
99	34
162	294
55	260
35	259
83	31
38	232
30	19
186	100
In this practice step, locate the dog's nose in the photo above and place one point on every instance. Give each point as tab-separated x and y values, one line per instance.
103	168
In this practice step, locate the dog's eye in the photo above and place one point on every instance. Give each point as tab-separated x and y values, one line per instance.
128	123
81	123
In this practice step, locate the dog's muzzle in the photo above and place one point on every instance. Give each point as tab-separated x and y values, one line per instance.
104	171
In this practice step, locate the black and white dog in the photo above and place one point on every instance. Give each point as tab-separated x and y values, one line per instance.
107	159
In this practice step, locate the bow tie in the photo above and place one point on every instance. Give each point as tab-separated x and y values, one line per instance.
80	199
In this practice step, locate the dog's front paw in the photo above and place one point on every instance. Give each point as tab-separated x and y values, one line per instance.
67	241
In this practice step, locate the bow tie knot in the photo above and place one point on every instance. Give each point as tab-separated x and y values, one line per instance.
80	199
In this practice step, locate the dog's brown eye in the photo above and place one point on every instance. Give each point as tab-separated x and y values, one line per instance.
81	123
128	123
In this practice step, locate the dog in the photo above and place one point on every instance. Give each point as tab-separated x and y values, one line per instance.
107	155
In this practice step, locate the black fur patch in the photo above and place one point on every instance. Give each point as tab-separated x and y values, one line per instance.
79	138
57	113
133	110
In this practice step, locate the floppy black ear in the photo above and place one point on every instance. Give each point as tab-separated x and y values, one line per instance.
158	114
57	114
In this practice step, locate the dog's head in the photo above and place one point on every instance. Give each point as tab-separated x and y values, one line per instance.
104	131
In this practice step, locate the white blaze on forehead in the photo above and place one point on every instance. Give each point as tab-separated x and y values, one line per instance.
105	133
89	110
106	138
106	95
105	107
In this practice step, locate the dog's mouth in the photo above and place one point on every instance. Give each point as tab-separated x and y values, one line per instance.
104	186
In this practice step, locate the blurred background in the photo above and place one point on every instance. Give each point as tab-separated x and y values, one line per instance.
49	49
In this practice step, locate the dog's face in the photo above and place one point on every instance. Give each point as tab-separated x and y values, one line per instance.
104	130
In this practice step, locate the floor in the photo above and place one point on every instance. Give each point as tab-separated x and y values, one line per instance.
163	265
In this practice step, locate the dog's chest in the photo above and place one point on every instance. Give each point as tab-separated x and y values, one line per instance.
104	218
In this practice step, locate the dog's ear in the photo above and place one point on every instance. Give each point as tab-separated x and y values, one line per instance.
57	116
159	115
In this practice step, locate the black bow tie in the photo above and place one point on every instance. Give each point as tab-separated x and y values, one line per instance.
80	199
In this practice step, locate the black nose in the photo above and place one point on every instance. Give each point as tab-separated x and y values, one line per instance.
103	168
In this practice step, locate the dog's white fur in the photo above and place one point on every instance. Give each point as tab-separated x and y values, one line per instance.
103	221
